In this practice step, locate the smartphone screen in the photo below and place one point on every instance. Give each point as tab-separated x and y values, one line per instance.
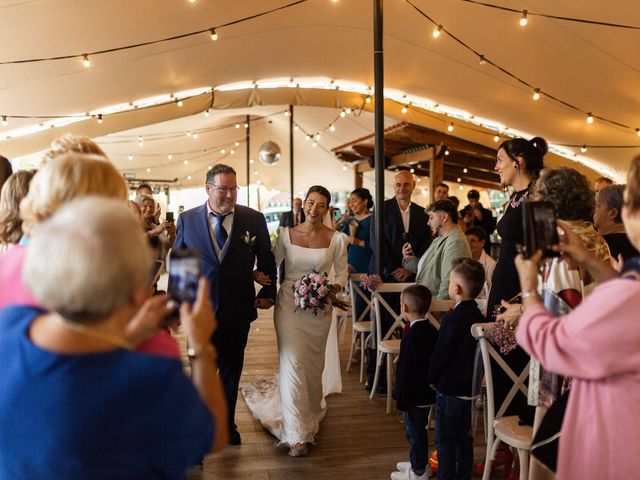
540	228
169	217
184	272
337	214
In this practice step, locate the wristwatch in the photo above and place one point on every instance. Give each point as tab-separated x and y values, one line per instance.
206	350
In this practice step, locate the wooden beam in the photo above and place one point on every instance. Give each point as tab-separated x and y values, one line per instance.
363	167
436	172
365	151
357	179
468	161
433	137
348	156
412	157
485	176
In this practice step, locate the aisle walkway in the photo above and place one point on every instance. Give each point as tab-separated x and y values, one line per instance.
357	439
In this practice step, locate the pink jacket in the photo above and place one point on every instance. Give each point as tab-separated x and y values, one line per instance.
14	292
598	344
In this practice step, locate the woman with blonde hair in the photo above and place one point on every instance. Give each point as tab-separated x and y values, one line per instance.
69	143
12	193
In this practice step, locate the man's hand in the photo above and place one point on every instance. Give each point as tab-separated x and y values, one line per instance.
263	303
261	278
401	274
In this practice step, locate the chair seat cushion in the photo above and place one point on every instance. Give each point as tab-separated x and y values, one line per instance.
362	326
389	346
509	431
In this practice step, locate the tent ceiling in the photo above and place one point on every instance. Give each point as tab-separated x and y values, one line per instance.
594	68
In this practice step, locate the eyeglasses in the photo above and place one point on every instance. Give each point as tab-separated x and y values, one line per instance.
226	190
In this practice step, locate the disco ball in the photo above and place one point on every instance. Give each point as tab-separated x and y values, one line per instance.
269	153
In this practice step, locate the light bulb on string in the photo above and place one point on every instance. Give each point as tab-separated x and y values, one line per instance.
405	109
206	113
447	152
368	99
536	94
437	31
465	170
237	125
99	118
231	152
314	144
251	161
287	113
188	177
317	136
214	34
450	127
496	138
237	144
344	168
148	170
4	121
169	157
130	157
189	133
246	125
482	60
180	103
85	60
459	179
342	114
347	110
583	149
222	151
413	170
307	137
195	135
638	131
296	128
460	187
332	128
186	162
209	167
589	118
523	19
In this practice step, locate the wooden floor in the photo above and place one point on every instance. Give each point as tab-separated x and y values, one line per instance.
357	440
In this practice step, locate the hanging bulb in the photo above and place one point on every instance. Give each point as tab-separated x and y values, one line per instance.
458	179
296	128
314	144
237	144
344	168
189	133
637	130
465	170
237	125
536	94
85	60
186	162
343	114
496	138
482	60
231	152
246	125
130	157
169	157
179	103
437	31
188	177
413	170
222	151
4	120
251	161
195	135
405	109
332	128
307	137
447	152
589	118
148	170
368	99
450	127
286	114
99	118
209	167
140	140
214	35
583	149
347	110
206	113
317	137
460	187
523	19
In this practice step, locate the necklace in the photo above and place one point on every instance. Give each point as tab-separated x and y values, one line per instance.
96	333
515	201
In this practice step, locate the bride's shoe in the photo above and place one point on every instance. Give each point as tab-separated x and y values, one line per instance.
298	450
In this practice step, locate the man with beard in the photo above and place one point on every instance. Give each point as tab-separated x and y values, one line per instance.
449	243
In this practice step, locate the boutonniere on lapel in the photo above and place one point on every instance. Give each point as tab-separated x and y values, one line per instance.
249	240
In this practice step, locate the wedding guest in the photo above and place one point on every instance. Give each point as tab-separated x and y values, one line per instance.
358	229
5	170
136	210
293	217
231	239
475	215
12	193
477	237
451	372
456	203
441	192
608	221
597	345
144	189
449	243
71	382
412	391
71	176
69	143
164	231
518	163
602	182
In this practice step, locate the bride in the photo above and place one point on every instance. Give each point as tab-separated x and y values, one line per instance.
292	406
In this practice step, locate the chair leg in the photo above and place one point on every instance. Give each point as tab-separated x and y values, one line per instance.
523	455
362	354
432	411
374	387
488	459
389	367
354	336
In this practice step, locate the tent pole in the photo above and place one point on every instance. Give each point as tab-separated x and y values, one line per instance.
291	154
248	142
378	69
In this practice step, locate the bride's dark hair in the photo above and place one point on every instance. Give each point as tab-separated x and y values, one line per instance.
322	191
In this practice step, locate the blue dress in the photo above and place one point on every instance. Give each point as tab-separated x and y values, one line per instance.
115	414
359	257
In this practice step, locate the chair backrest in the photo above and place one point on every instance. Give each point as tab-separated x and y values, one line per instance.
380	305
438	306
356	291
487	352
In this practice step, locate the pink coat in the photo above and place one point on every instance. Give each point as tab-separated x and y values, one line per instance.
14	292
598	345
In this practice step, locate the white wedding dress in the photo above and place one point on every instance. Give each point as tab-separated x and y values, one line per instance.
291	404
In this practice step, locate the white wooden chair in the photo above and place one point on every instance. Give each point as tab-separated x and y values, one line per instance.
501	428
360	328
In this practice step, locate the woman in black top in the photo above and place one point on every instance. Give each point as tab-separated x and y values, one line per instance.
519	162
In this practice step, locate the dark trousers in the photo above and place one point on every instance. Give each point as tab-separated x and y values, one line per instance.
230	340
415	419
454	439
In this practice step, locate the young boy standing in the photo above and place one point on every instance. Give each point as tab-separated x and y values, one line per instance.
412	391
451	371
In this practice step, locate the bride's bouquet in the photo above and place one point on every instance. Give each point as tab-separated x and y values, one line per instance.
312	292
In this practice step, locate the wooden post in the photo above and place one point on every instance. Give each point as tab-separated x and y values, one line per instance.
436	172
357	179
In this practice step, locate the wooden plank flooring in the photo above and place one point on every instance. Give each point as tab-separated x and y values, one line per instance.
357	440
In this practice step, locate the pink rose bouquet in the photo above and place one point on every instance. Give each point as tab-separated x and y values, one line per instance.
313	291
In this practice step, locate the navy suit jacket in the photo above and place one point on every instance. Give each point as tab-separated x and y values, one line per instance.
286	220
419	236
231	286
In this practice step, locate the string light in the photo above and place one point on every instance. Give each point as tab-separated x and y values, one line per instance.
246	125
189	133
139	140
465	170
186	162
450	127
85	60
638	131
523	20
482	60
214	35
307	137
317	137
437	31
4	121
286	113
459	180
404	109
237	144
347	110
314	144
344	168
583	149
343	114
251	161
130	157
413	170
188	177
536	94
237	125
169	157
180	103
99	118
447	152
460	187
206	113
148	170
222	151
496	138
296	128
368	99
332	127
195	135
589	118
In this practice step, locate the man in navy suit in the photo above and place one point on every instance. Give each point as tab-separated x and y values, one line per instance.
230	238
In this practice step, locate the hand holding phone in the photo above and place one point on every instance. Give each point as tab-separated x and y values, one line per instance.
407	250
184	273
540	229
169	217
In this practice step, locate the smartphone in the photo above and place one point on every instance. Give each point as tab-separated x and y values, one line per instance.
540	228
337	214
169	217
500	309
184	273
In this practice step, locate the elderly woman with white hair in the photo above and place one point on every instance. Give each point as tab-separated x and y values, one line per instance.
77	402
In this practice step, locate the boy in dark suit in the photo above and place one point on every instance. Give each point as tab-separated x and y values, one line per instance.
412	392
451	371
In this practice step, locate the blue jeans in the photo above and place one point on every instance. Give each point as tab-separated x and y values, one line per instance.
454	439
415	419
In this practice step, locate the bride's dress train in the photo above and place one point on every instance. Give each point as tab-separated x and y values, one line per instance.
291	405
